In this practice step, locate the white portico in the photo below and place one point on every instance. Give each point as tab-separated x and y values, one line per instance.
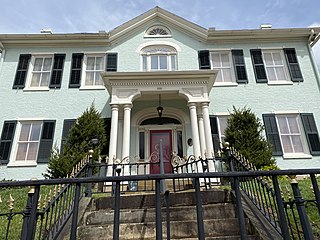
128	88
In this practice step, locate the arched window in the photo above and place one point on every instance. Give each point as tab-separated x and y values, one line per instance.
158	31
159	58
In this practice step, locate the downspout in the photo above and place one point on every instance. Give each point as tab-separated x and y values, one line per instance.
2	54
311	42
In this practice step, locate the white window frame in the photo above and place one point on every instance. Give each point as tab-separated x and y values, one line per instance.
232	81
284	65
304	144
158	50
16	141
31	71
221	119
84	70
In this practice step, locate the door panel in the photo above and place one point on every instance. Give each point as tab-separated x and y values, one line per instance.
155	137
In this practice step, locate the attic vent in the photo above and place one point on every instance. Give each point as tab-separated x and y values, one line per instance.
158	31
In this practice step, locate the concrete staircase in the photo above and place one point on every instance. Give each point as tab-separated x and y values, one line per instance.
137	217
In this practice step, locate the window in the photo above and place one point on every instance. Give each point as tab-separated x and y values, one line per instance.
276	66
159	58
45	71
229	63
86	69
29	141
218	126
94	65
292	135
221	61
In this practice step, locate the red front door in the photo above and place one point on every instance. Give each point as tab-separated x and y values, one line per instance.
155	137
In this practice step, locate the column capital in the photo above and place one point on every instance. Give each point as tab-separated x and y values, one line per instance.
127	105
205	104
192	105
114	106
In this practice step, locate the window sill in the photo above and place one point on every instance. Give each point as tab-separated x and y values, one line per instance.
36	89
100	87
297	156
225	84
22	164
280	83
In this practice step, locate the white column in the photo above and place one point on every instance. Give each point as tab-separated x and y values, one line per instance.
195	130
126	130
207	129
201	132
113	132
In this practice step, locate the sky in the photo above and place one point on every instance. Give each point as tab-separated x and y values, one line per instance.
71	16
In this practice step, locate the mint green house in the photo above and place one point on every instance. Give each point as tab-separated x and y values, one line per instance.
158	59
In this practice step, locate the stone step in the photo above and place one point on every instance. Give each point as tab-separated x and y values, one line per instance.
182	213
178	230
140	201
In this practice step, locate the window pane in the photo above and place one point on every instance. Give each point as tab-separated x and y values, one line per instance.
225	60
163	62
226	75
35	132
293	125
173	63
35	80
98	80
32	151
90	63
216	60
45	79
280	73
21	152
268	59
24	133
219	76
154	62
297	144
271	74
283	126
37	64
277	58
99	63
89	78
47	64
144	63
286	144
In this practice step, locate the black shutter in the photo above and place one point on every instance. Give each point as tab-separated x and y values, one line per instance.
258	65
215	134
311	131
76	70
46	141
107	129
57	71
204	59
239	66
67	124
6	140
111	65
272	133
22	70
293	65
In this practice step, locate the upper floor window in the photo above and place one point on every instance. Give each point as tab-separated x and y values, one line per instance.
94	65
158	31
276	66
39	71
86	69
229	63
159	58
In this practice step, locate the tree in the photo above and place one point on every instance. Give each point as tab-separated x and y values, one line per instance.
88	126
244	133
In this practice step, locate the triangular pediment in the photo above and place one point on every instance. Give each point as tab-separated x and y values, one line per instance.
159	15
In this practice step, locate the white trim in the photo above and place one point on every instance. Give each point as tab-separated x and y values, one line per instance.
84	71
296	156
225	84
153	43
284	112
280	82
